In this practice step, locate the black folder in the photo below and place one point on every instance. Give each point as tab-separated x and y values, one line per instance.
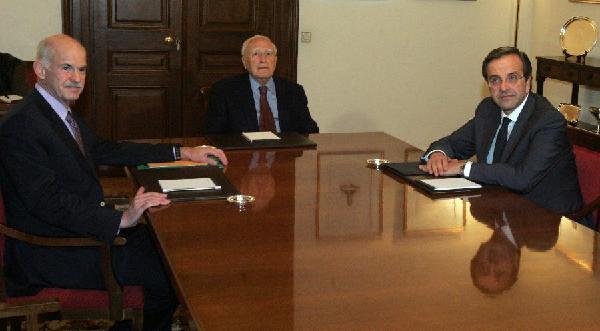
410	172
148	178
405	169
237	141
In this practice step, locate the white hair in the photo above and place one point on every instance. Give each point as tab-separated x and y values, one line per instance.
258	36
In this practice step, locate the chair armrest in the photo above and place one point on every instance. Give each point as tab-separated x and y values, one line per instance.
115	292
55	241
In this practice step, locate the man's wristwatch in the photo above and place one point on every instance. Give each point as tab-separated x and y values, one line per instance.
177	150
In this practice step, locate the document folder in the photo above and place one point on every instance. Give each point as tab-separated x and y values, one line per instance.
405	168
237	141
149	179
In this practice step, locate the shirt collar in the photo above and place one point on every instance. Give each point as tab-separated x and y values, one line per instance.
515	113
56	105
255	84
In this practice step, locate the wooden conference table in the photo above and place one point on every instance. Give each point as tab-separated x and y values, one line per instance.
334	245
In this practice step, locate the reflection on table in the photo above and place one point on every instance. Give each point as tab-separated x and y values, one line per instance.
309	261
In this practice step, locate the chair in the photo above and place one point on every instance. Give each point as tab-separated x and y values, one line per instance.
114	303
589	181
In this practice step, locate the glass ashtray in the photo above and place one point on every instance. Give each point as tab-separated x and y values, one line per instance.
376	163
240	199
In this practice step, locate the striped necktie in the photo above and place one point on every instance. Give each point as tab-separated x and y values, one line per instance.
75	131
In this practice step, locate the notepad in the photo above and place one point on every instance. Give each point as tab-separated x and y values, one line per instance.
188	184
258	136
450	184
10	98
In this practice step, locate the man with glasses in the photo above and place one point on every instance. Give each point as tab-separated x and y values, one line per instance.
518	137
258	101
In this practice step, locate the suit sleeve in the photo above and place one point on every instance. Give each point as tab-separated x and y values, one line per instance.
303	120
546	146
37	173
106	152
461	144
216	115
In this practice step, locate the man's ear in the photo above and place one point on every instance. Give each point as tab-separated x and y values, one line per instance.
244	63
39	69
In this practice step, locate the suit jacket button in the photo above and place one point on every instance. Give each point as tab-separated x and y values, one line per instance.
102	204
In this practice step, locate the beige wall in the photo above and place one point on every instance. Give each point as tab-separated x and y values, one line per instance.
25	22
407	67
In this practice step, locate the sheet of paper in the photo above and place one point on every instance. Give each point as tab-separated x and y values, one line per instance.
262	135
187	184
449	184
180	163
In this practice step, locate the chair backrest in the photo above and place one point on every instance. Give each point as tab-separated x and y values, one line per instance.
588	173
205	94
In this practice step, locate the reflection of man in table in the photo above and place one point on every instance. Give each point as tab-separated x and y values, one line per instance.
262	174
519	138
259	181
495	266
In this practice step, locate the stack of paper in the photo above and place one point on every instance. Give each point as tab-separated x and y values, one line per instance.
188	184
257	136
449	184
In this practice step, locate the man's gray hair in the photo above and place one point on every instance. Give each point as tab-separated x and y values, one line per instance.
258	36
45	52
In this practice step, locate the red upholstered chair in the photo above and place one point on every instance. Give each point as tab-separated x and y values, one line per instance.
115	303
588	172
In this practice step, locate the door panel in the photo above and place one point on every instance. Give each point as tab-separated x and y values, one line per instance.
137	74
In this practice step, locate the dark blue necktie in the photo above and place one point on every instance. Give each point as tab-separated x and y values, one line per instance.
501	139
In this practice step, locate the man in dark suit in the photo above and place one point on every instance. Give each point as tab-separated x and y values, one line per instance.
258	101
529	153
50	188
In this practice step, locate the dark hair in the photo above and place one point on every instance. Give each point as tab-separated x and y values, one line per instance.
503	51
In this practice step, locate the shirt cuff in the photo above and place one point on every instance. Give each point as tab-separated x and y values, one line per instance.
467	170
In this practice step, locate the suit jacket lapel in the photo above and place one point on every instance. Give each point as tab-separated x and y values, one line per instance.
246	96
282	103
490	127
519	128
58	126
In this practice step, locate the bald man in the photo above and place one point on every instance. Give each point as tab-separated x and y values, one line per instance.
235	103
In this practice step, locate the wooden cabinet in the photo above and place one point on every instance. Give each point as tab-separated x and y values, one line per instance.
559	68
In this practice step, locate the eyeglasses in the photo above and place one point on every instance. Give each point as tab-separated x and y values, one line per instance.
268	53
511	79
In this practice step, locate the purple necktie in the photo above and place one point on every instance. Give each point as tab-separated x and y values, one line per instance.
75	130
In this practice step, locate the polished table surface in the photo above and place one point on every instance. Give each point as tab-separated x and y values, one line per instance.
334	245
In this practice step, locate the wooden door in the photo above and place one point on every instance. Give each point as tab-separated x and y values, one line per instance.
140	86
